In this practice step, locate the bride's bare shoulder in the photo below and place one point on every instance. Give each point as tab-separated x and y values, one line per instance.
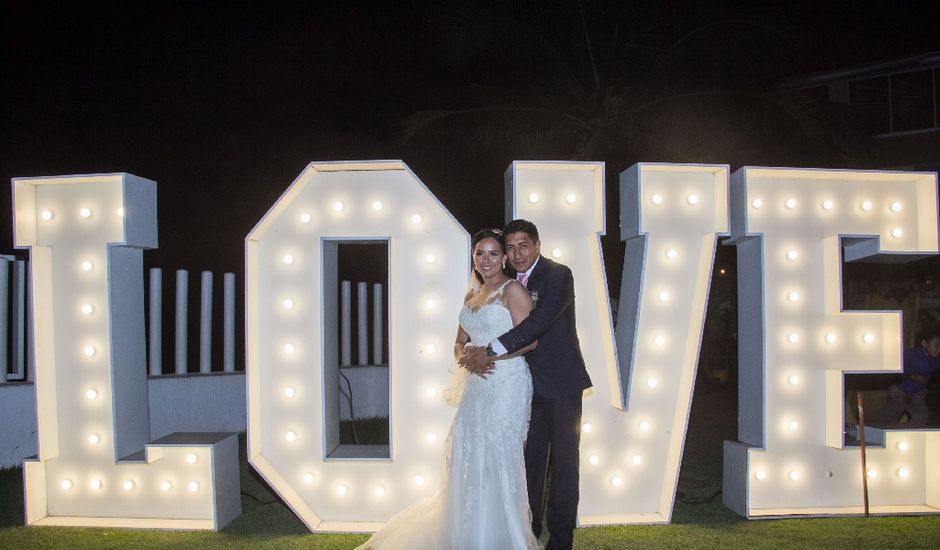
515	291
470	294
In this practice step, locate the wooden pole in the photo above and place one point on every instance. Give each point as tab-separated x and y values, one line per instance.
861	438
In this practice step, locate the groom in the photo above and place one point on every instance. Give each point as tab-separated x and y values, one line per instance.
559	378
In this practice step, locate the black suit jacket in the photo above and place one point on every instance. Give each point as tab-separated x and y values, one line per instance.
557	364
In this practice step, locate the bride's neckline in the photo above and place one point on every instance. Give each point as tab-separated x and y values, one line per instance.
490	299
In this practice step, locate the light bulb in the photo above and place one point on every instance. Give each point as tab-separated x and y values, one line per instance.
790	204
586	427
128	485
380	491
165	486
308	477
376	205
430	258
430	303
616	481
793	379
89	351
290	436
827	204
431	437
289	348
570	198
663	296
760	475
794	475
305	218
897	232
120	211
341	490
659	340
288	259
47	215
85	213
652	382
87	266
419	479
636	459
792	255
91	394
430	392
902	446
793	296
672	254
757	203
831	338
872	473
192	458
430	348
533	198
692	199
88	309
288	303
338	206
289	392
895	206
793	425
193	486
657	198
793	338
866	205
96	484
868	338
416	218
644	426
66	484
594	460
903	473
556	253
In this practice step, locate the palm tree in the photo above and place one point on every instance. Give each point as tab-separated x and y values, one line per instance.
622	82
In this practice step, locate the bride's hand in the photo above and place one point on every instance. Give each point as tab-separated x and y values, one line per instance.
476	361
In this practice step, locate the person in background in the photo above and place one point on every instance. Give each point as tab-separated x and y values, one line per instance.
911	394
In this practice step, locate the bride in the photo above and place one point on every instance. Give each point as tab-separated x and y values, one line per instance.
482	501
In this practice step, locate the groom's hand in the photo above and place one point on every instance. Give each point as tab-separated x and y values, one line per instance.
476	361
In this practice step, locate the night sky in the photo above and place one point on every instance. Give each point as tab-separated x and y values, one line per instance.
223	104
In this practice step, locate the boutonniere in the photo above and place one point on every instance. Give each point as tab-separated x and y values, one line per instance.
535	295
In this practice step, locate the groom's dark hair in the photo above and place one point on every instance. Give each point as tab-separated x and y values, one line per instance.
522	226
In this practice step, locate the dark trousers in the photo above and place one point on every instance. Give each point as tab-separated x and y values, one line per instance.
554	429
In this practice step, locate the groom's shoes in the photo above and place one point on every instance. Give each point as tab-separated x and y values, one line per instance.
555	544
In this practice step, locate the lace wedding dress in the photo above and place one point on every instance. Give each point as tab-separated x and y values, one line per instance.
482	502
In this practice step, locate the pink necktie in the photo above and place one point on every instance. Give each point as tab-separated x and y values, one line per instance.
524	279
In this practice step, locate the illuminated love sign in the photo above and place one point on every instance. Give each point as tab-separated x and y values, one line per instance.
790	226
635	417
796	342
293	356
96	464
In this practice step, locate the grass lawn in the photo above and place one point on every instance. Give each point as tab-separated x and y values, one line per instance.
699	519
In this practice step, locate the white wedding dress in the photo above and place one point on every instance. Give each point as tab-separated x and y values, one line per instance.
482	502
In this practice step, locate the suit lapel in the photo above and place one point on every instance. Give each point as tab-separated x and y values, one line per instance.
536	276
